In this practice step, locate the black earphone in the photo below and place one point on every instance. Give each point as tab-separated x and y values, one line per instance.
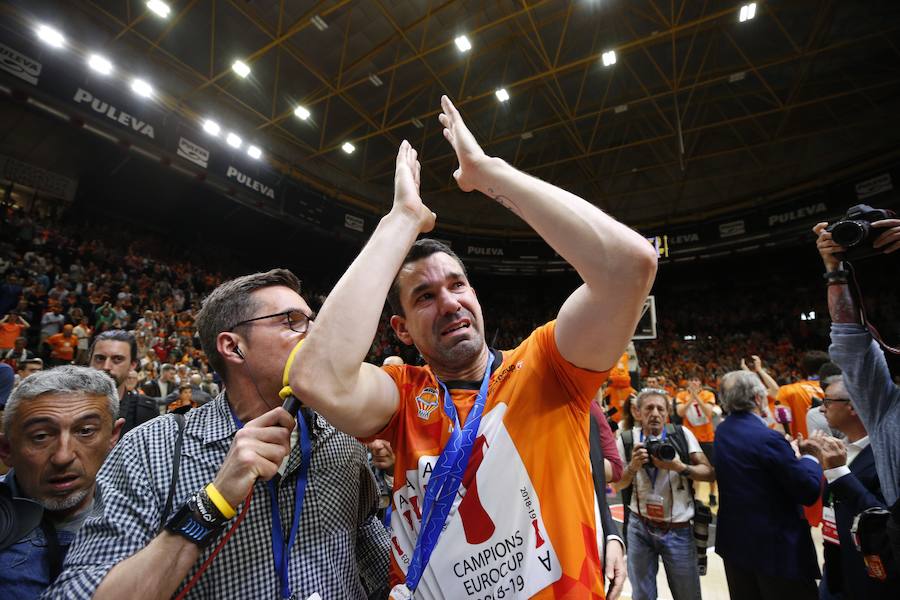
237	350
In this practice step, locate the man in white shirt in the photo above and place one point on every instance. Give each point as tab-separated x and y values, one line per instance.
662	502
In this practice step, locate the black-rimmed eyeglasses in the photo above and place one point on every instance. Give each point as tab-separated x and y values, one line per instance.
830	401
295	320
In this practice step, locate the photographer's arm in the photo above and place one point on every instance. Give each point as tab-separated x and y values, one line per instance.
841	306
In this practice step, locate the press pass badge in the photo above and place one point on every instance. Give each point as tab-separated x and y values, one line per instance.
655	508
829	526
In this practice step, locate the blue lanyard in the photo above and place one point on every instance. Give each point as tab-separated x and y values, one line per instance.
445	479
654	473
281	551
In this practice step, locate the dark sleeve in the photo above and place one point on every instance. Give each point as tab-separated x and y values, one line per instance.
850	490
801	478
608	443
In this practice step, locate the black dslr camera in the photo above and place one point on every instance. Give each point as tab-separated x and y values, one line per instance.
854	231
660	449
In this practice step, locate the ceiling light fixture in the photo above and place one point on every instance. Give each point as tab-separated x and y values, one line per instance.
319	22
748	11
234	140
502	95
609	58
51	36
375	80
100	64
348	147
141	88
254	152
241	68
211	127
463	43
301	113
159	7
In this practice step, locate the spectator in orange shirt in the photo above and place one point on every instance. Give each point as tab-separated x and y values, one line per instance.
697	406
798	396
62	346
12	327
619	388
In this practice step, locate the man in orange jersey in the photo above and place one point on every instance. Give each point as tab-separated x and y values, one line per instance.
619	388
499	437
696	407
798	397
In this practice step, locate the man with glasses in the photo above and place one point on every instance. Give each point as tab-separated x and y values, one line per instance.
853	487
304	490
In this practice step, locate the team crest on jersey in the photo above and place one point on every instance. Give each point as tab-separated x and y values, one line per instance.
426	402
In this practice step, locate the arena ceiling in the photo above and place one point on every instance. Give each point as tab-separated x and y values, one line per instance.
700	113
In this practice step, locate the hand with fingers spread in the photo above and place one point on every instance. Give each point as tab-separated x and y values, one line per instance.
469	154
889	240
406	188
829	250
257	452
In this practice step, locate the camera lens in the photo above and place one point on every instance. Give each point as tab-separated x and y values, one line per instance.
666	452
850	233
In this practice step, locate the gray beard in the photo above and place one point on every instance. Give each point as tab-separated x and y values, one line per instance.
60	504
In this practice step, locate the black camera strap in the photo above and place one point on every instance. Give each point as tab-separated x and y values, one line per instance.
857	293
54	552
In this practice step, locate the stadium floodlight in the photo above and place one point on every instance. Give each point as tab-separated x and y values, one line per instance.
748	11
348	147
502	95
254	152
159	7
609	58
241	68
301	113
141	88
234	140
50	36
100	64
463	43
211	127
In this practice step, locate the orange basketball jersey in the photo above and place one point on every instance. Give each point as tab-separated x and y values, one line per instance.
523	523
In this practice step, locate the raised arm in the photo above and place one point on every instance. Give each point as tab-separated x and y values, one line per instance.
328	372
616	263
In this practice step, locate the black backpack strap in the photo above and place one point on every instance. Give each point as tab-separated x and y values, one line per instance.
676	432
628	444
176	464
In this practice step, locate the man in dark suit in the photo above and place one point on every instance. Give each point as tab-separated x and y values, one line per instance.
853	486
164	385
761	534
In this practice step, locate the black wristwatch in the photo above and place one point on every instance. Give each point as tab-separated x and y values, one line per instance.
194	524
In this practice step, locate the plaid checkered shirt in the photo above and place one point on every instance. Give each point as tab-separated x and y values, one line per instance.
341	550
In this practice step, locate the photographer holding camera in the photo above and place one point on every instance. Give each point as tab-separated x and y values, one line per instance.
662	461
876	397
865	232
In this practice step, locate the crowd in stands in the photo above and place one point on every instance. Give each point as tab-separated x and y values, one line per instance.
64	283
